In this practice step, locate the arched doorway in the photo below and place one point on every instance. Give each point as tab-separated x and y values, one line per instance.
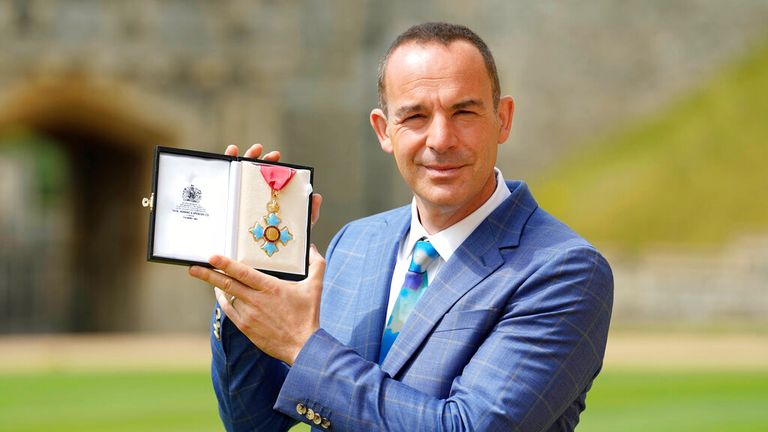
76	158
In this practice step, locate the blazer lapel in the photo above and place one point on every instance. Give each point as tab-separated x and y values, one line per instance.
460	274
373	293
473	261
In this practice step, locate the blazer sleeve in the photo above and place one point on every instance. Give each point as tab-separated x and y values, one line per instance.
246	381
540	357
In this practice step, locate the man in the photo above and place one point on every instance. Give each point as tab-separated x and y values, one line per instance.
470	309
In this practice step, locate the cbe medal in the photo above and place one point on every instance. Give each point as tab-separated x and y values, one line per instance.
269	230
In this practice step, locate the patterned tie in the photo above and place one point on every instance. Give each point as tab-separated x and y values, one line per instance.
413	288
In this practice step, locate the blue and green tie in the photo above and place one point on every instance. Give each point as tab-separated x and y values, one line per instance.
413	288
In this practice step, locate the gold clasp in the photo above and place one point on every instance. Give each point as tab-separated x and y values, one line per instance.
148	202
272	205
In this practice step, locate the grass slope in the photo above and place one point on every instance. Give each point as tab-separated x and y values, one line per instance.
694	173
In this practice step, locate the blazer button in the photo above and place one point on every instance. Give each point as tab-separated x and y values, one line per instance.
317	419
217	330
325	424
310	414
301	409
218	313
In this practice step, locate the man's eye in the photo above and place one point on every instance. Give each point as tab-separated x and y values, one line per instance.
465	112
413	117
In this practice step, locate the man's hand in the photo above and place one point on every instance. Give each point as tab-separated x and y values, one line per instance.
277	316
254	152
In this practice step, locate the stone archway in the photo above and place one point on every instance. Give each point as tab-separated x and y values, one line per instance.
101	139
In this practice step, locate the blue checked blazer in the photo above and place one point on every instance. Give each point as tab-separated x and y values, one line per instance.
508	336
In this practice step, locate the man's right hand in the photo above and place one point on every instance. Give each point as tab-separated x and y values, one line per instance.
254	152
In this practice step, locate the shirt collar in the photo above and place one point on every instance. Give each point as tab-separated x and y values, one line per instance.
448	240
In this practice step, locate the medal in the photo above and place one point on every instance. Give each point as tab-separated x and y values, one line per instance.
269	230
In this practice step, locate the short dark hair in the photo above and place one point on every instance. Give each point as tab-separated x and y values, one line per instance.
443	33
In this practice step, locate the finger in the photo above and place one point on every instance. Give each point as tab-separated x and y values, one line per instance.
249	277
254	151
224	303
317	201
227	298
273	156
231	150
229	285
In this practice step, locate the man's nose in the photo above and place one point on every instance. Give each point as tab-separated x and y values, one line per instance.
440	136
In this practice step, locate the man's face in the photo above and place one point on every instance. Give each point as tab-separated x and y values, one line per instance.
441	124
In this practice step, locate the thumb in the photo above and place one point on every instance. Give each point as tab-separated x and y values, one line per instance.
316	263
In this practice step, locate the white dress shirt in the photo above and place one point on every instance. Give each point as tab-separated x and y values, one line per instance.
445	242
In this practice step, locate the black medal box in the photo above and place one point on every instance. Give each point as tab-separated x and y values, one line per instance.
250	210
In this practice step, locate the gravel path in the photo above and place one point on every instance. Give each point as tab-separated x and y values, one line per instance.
127	352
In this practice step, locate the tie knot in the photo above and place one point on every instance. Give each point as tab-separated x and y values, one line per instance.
423	255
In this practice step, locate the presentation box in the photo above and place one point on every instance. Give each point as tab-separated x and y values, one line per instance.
250	210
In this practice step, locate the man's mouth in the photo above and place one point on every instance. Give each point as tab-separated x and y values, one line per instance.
443	169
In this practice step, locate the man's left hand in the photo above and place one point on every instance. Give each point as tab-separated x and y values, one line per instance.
276	315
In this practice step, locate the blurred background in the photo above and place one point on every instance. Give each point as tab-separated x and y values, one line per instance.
641	124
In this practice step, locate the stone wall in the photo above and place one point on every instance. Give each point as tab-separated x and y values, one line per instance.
299	76
717	288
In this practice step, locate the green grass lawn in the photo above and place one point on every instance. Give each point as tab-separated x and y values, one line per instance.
674	401
107	402
163	401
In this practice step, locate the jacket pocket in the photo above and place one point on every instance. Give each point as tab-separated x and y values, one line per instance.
477	319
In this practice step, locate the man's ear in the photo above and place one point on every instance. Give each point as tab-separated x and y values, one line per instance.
379	125
505	113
